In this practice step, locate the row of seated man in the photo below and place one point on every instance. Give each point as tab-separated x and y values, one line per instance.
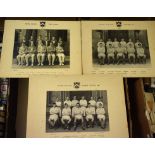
81	112
40	53
116	52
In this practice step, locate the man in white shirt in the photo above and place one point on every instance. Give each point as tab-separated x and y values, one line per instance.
101	52
100	111
58	103
137	44
130	42
74	102
90	112
92	102
60	54
110	53
120	54
31	54
124	46
53	41
51	53
83	104
101	42
99	101
77	115
66	116
55	113
68	102
123	43
131	53
141	53
41	54
109	42
115	44
21	54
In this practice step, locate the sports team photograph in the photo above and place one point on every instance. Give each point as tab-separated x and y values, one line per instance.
40	48
120	47
83	111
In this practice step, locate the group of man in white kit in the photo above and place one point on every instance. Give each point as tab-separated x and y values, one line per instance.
115	51
45	49
81	112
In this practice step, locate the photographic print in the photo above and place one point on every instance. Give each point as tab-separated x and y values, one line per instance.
41	48
126	48
69	111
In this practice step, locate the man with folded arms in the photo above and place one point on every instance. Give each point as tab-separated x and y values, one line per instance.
66	116
100	111
55	113
77	115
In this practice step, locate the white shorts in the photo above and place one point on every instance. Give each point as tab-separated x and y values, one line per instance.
51	54
101	117
90	117
83	109
21	55
141	55
120	55
30	55
66	118
41	54
78	117
60	55
101	55
53	117
111	55
131	55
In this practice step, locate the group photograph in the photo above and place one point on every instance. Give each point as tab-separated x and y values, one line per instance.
126	48
84	111
40	48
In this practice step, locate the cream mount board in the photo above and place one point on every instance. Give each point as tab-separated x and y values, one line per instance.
67	59
107	89
142	62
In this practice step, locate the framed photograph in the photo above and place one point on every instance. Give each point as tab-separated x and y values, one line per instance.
74	106
123	47
41	47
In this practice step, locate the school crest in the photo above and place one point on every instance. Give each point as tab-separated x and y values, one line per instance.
118	24
42	24
76	85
